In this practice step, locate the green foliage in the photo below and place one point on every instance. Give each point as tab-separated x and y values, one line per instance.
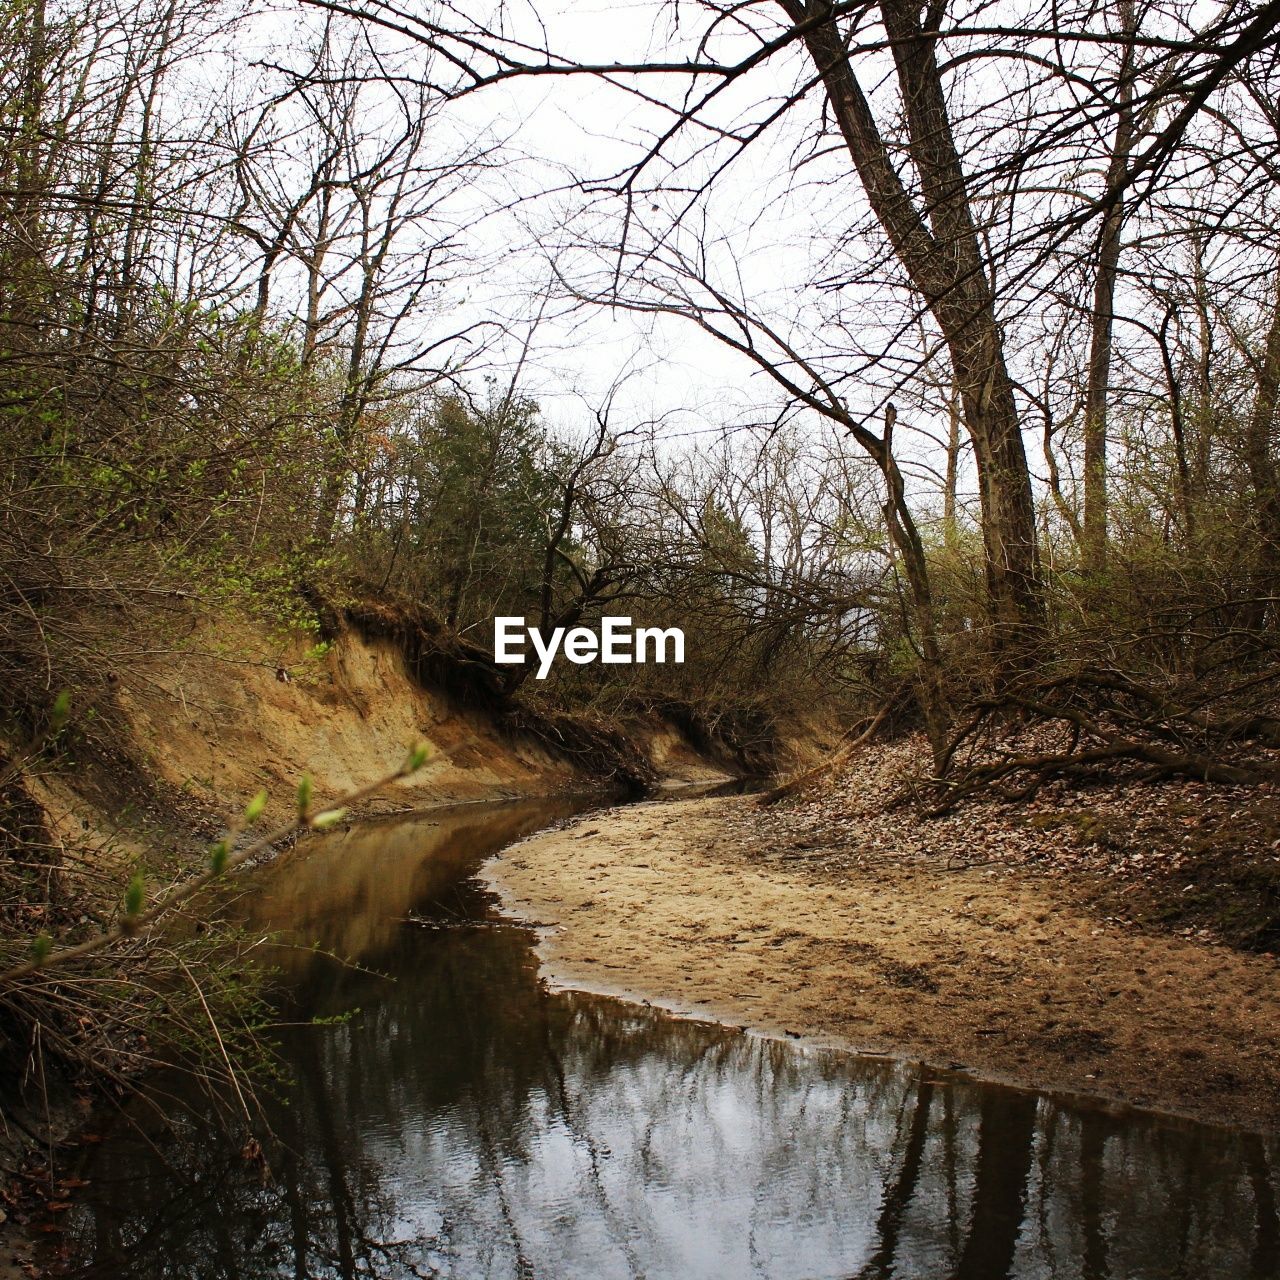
335	1019
60	711
135	895
305	788
457	506
218	856
255	808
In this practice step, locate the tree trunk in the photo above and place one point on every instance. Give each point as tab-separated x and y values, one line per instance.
944	262
930	686
1260	458
1177	425
949	526
1103	317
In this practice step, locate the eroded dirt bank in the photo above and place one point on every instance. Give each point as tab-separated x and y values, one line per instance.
990	969
207	723
190	734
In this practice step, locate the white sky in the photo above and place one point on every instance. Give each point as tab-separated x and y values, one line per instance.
669	370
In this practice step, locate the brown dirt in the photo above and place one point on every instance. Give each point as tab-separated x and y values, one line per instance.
239	709
218	722
987	968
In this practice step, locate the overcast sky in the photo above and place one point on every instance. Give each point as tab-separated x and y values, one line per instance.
668	369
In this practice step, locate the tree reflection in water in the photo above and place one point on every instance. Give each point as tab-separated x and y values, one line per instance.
467	1123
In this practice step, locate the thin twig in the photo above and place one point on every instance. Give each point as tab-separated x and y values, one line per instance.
129	926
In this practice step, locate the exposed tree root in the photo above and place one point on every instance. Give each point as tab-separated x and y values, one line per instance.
1110	720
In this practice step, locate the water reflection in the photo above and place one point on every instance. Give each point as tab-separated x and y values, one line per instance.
467	1124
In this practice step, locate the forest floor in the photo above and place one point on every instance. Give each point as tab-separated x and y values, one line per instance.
1115	941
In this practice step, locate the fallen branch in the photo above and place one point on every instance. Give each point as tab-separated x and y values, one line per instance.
1043	766
837	760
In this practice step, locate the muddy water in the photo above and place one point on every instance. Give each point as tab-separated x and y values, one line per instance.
466	1123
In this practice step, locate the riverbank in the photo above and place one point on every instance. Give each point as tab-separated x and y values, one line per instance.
719	909
152	768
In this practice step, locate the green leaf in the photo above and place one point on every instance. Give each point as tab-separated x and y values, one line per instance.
60	711
218	856
305	787
41	947
416	758
135	895
254	809
329	818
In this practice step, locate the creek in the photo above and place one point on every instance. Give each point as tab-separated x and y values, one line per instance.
464	1121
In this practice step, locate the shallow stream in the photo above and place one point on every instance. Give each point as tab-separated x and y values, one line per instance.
465	1122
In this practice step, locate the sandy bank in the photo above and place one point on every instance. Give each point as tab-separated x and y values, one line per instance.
994	972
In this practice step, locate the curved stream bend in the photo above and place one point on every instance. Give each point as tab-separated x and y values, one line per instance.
467	1123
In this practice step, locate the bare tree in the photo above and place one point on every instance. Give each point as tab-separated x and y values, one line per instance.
1102	320
351	184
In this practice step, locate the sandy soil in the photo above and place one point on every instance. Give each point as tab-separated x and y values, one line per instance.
983	969
218	725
